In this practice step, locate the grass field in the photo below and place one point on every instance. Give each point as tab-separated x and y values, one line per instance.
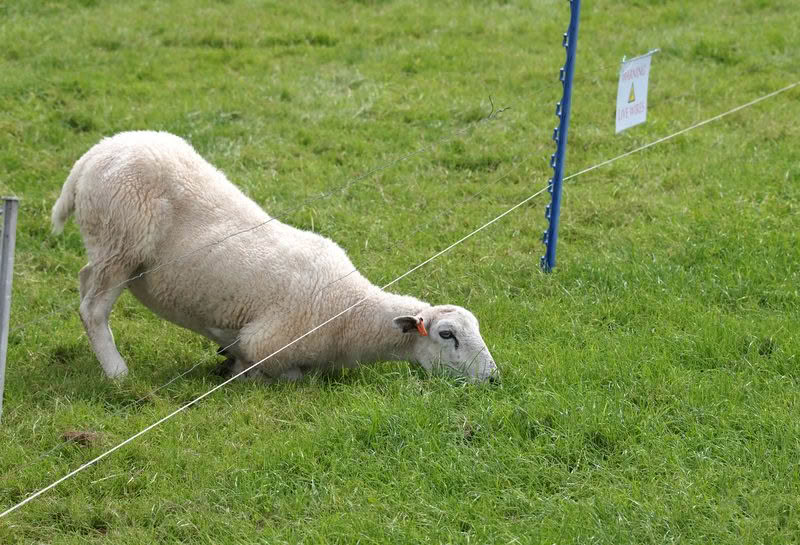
649	387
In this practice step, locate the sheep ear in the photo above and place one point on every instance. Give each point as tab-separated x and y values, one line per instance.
406	323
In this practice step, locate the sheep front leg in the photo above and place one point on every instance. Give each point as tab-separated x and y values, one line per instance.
289	375
99	291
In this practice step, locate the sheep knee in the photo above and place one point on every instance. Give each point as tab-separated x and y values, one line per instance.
240	370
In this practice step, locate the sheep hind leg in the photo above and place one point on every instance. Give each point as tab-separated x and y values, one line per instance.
99	290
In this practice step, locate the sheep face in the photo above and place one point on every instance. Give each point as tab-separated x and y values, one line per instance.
448	338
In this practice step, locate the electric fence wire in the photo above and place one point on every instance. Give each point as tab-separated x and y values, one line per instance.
397	279
391	246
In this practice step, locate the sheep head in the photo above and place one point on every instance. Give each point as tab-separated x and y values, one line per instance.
448	338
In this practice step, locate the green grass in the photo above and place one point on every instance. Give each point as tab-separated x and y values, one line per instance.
650	384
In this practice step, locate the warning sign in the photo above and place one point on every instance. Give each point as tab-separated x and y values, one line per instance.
632	92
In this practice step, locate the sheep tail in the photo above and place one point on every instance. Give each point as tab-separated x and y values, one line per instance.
65	205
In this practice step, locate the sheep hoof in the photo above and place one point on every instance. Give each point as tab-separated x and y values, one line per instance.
116	371
225	369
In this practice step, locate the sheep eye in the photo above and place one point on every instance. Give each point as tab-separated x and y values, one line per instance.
447	334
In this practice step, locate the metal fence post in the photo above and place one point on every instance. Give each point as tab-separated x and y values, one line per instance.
553	209
10	207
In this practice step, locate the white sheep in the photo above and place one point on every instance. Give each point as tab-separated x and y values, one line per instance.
143	200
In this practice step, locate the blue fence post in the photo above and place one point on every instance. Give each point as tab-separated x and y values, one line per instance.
553	209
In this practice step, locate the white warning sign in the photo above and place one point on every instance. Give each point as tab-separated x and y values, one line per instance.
632	92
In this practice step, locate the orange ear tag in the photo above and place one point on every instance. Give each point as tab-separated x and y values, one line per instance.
421	328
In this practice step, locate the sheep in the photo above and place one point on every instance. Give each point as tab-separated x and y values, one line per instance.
144	199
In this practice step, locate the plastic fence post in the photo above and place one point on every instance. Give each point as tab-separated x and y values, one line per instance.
553	209
10	206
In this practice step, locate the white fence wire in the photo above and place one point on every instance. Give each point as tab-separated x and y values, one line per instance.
397	279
